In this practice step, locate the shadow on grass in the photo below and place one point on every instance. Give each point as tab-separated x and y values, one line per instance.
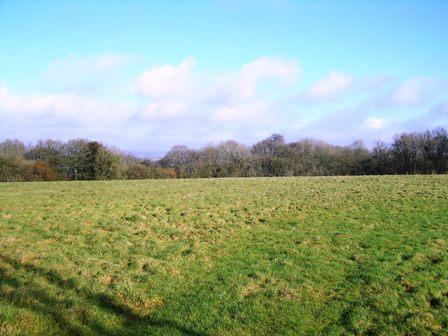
56	300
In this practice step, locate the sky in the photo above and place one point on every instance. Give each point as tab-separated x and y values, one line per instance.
146	75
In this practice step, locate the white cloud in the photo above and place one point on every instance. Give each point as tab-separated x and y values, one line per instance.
168	98
176	103
86	74
163	110
61	107
374	123
250	111
268	68
413	92
110	61
173	91
167	81
74	66
436	116
8	101
245	83
331	86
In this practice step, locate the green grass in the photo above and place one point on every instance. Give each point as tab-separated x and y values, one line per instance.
261	256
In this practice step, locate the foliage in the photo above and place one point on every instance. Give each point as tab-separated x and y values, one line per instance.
81	159
38	171
410	153
107	165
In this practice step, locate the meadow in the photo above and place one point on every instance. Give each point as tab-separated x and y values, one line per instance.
256	256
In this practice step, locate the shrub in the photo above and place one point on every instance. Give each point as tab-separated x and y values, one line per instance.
38	171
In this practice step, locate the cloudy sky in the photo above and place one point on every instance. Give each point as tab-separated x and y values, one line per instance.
146	75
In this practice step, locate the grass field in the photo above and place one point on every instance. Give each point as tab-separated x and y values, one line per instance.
261	256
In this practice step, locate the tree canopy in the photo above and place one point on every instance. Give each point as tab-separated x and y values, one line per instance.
81	159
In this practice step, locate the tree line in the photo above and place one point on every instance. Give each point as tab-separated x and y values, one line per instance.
80	159
77	159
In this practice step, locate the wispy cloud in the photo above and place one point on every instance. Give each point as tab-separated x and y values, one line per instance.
86	75
414	92
330	87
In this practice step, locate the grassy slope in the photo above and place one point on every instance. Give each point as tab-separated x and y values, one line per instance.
345	255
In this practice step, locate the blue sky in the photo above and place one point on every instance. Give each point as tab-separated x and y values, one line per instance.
145	75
